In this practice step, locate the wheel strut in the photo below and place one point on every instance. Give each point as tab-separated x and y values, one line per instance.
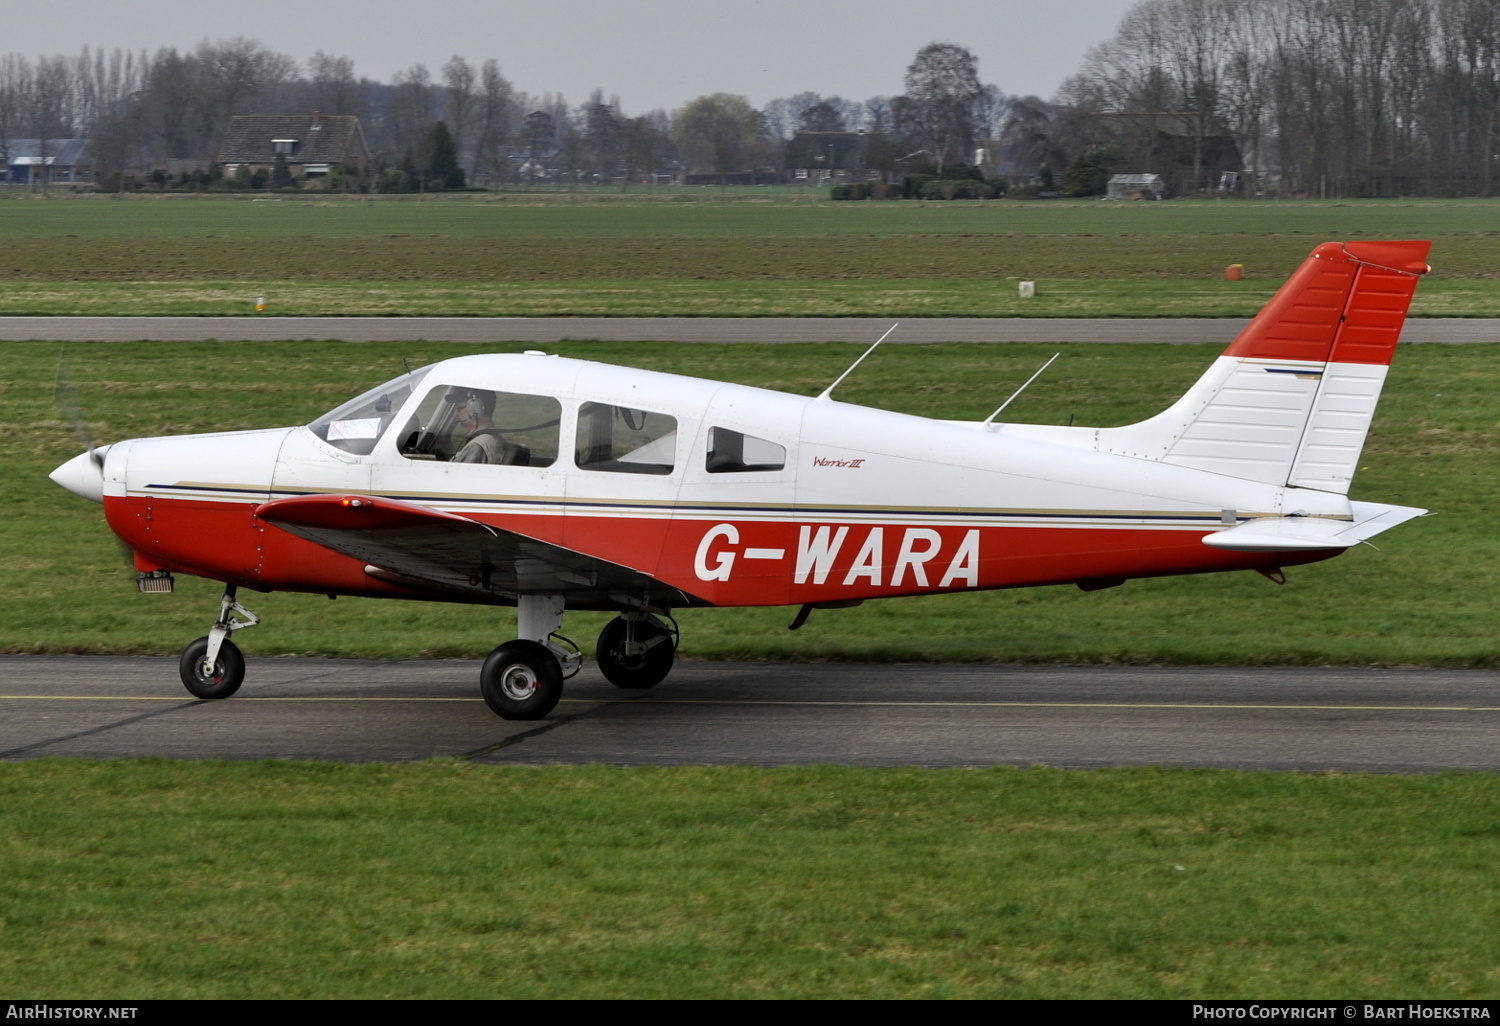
226	625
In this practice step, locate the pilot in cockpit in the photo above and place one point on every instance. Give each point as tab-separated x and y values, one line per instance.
476	411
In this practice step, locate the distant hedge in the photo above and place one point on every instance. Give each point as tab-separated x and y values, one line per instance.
923	187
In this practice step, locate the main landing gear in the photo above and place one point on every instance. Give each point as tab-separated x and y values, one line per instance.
213	667
523	679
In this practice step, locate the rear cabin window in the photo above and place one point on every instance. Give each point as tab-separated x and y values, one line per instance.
464	424
620	440
733	452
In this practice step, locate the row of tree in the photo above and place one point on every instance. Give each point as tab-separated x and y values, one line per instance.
147	109
1297	97
1321	97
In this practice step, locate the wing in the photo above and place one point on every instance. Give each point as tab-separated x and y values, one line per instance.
420	547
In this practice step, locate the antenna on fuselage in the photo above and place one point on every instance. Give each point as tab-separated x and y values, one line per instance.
990	419
827	393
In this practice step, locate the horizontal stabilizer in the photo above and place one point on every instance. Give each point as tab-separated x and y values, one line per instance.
1298	534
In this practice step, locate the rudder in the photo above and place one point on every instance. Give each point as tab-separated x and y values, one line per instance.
1290	401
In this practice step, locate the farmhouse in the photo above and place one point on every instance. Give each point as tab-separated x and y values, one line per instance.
29	161
313	145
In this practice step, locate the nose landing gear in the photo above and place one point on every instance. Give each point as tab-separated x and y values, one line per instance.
213	667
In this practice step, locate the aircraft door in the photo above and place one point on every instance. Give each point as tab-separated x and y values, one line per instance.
622	485
484	453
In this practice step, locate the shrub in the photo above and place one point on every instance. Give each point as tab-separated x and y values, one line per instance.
951	189
841	192
912	185
1086	176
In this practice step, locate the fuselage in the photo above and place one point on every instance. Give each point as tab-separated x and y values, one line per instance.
746	497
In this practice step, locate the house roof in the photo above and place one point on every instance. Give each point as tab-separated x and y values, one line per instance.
321	138
60	152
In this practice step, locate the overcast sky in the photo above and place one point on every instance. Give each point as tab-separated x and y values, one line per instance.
652	53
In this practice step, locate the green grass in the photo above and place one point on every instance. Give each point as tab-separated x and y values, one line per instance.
898	298
1428	596
273	880
557	216
832	275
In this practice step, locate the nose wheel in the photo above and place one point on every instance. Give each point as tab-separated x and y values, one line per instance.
213	667
220	680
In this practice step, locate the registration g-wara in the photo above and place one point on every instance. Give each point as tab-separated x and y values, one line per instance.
549	484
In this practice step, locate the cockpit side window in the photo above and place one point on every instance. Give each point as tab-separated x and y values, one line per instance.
620	440
464	424
734	452
357	425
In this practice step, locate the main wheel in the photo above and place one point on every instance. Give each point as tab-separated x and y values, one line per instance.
227	675
521	680
638	668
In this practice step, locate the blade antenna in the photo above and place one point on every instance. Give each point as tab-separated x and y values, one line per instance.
990	419
828	392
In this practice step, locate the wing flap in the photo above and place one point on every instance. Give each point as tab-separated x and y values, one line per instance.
413	545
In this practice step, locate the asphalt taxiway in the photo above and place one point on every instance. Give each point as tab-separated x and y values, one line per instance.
768	714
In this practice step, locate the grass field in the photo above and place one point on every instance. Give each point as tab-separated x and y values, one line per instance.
554	216
272	880
261	880
545	256
1427	596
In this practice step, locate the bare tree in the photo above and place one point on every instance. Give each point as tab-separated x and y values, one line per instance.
411	107
459	102
333	87
878	115
495	119
15	97
942	87
603	134
644	148
720	133
539	134
822	116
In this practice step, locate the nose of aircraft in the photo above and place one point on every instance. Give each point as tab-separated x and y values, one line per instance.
83	475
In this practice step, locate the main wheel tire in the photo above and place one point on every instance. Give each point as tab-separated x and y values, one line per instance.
641	670
228	672
521	680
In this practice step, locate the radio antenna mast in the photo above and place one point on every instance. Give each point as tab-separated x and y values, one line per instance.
991	418
827	393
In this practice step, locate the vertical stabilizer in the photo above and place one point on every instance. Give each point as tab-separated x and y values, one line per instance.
1290	401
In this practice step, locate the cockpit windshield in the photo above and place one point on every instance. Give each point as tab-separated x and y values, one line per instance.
357	425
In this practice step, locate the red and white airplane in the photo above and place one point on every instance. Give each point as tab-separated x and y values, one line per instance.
549	483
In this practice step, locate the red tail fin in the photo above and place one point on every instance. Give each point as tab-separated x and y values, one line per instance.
1345	304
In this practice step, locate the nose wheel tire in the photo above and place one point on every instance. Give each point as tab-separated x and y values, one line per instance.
634	655
223	680
521	680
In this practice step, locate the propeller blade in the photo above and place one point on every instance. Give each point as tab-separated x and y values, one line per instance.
66	394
